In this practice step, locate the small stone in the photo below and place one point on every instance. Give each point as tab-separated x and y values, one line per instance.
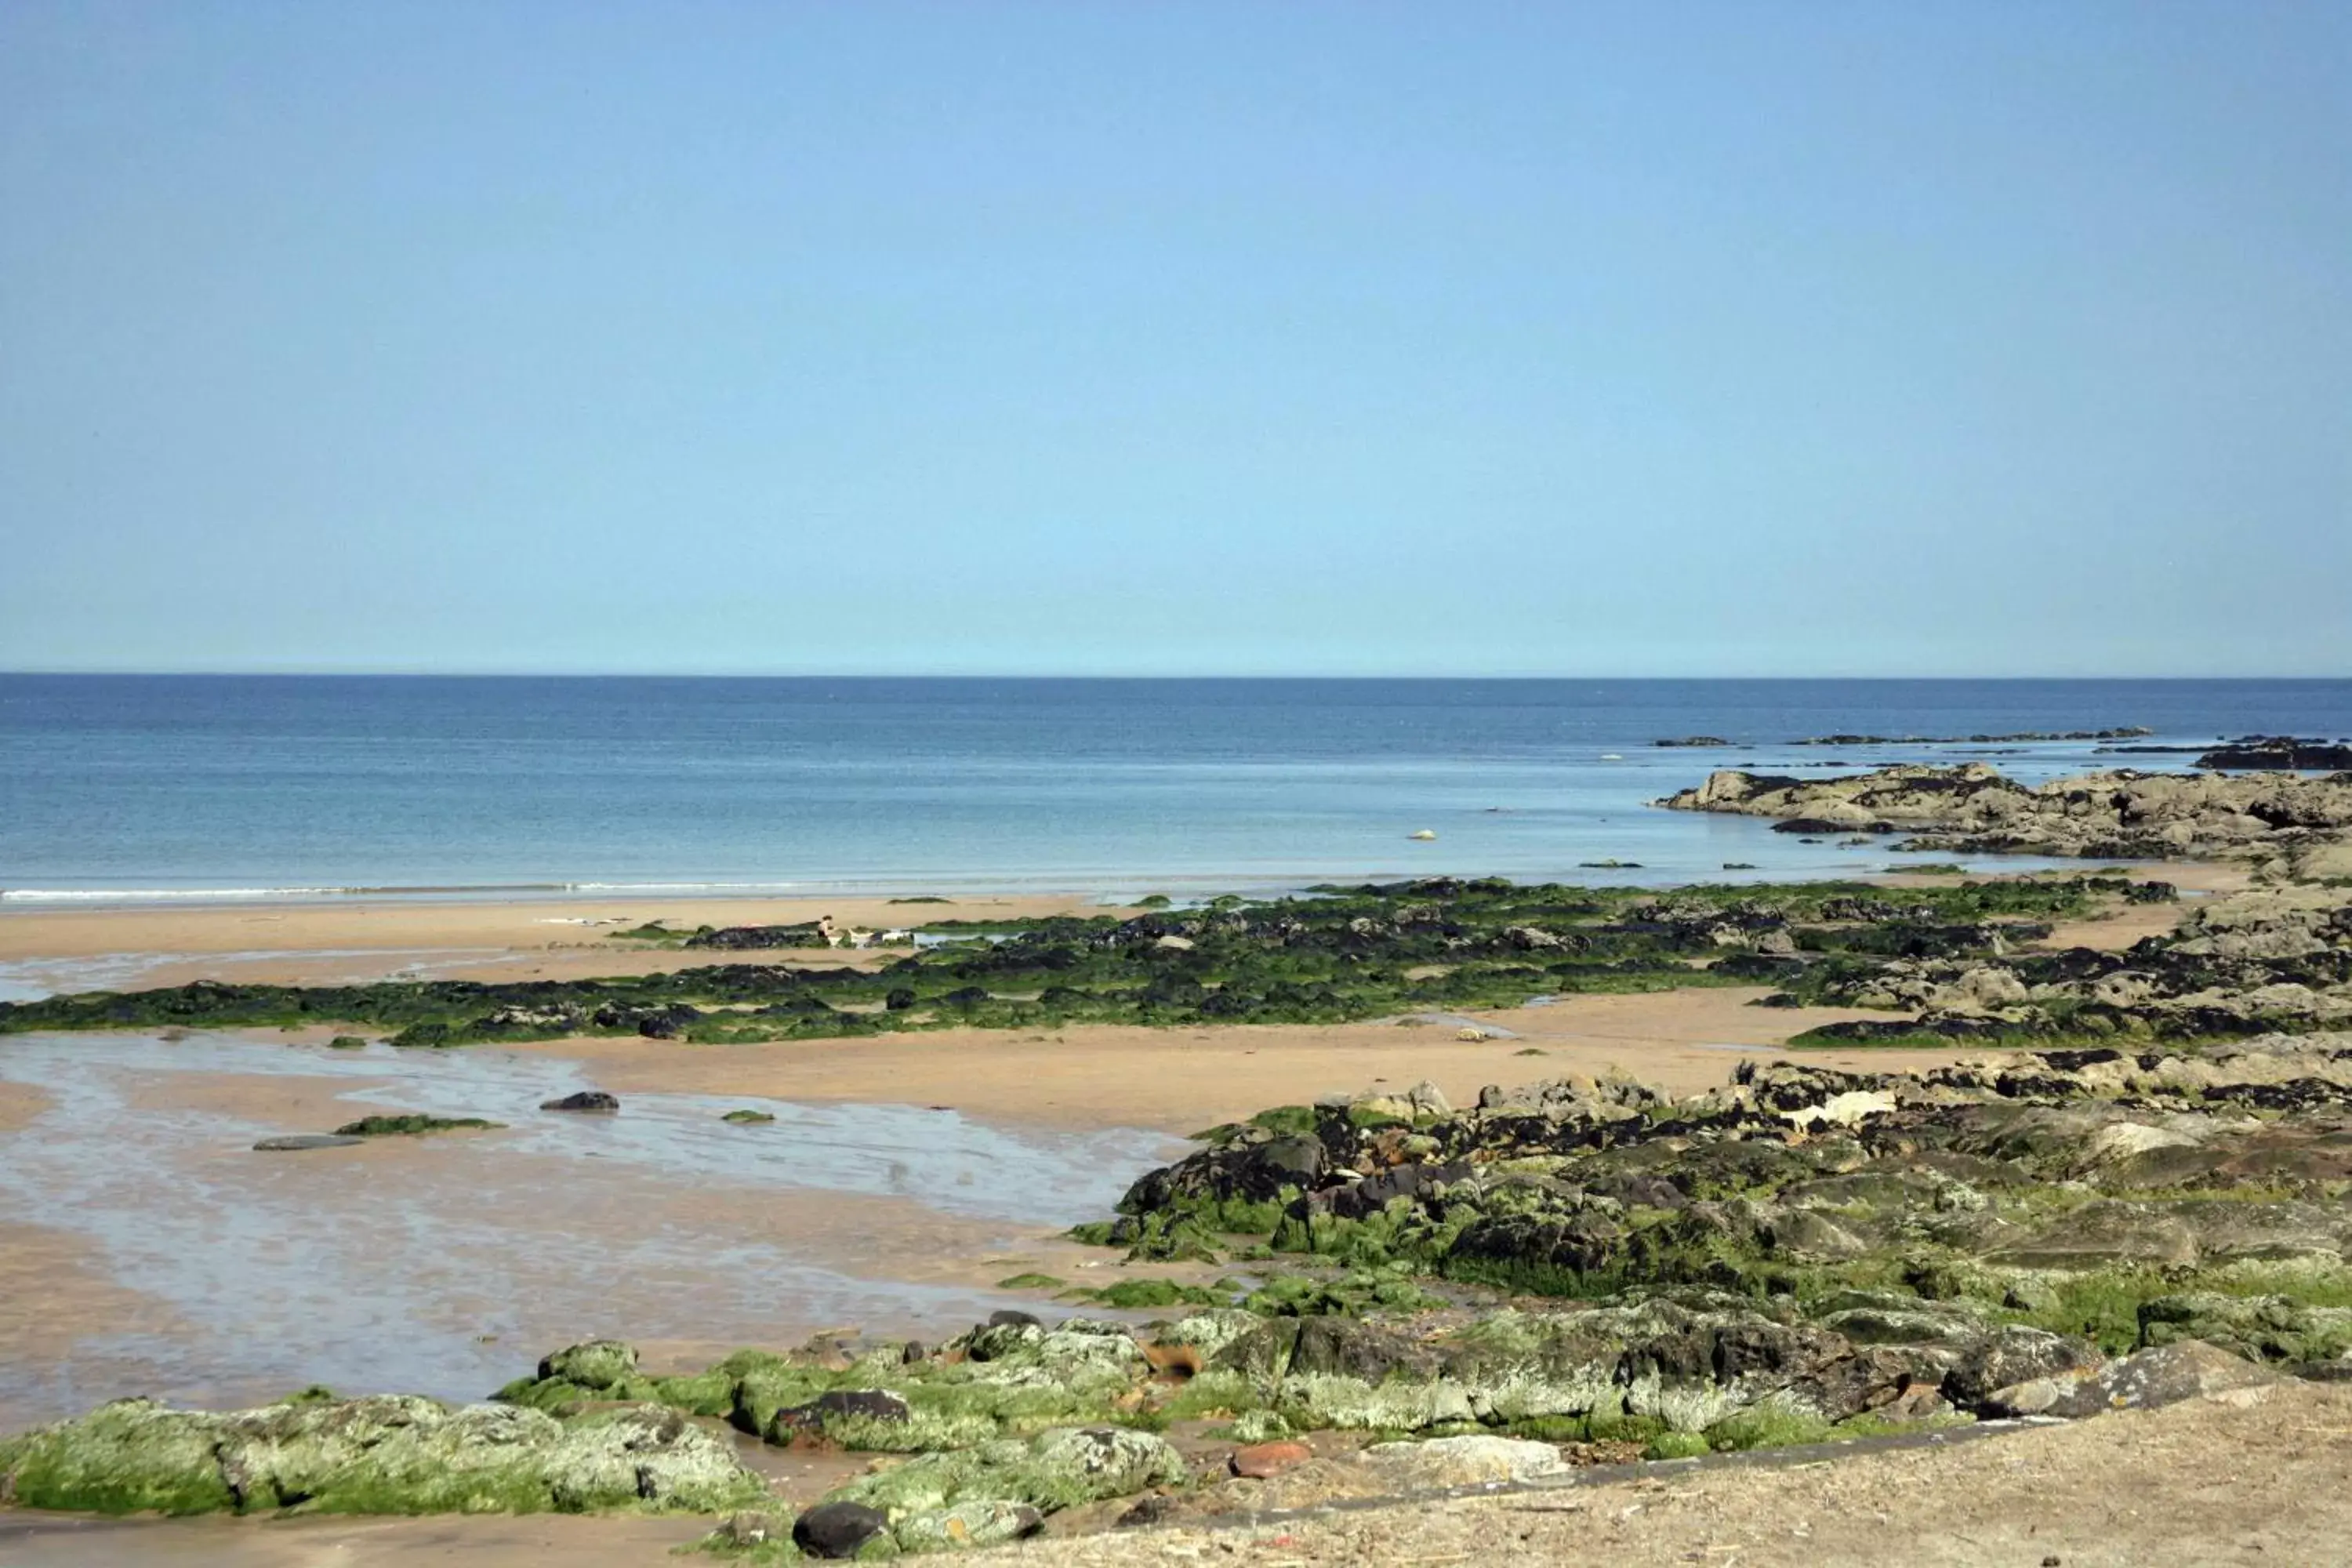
1151	1509
1264	1461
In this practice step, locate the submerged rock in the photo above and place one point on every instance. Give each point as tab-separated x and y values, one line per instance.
591	1100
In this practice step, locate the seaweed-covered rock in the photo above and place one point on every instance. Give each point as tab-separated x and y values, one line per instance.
594	1363
839	1407
388	1453
648	1456
2258	1328
977	1521
1055	1471
134	1456
1106	1461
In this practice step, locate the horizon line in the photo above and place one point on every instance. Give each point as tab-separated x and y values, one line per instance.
413	674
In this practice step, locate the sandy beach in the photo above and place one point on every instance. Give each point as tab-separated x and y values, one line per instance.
360	941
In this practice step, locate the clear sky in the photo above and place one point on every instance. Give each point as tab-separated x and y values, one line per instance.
1843	337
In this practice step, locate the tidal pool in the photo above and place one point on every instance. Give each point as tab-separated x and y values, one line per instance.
446	1264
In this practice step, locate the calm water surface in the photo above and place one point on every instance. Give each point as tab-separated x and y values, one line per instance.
118	785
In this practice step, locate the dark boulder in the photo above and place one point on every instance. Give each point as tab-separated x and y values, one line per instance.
1256	1172
1346	1347
592	1100
741	938
837	1529
1374	1191
871	1404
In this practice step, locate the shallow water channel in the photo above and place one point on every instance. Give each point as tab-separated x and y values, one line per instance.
448	1264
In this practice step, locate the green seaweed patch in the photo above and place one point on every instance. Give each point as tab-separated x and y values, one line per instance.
1032	1282
383	1455
410	1125
1138	1293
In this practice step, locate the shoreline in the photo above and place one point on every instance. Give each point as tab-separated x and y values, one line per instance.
483	933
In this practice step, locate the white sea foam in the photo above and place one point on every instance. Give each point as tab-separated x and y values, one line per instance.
677	887
147	895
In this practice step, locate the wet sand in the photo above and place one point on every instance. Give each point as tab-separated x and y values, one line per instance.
1181	1079
45	950
51	1540
20	1103
507	924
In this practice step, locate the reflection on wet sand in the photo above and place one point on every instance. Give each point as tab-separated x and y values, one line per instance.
193	1267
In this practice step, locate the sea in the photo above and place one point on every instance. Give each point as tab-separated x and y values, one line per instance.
159	789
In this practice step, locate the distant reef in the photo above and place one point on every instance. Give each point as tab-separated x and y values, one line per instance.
2295	827
2130	732
2280	753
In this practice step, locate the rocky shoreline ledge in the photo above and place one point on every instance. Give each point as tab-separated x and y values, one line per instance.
2288	826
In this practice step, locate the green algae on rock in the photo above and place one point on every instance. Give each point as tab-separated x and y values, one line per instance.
386	1454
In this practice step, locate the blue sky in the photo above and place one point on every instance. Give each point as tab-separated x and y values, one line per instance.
1673	339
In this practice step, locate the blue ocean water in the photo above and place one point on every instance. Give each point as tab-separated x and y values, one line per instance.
127	787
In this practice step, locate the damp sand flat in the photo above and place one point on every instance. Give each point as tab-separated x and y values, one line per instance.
152	1250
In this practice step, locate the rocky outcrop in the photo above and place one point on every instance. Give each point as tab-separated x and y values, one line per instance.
2125	815
2245	966
1805	1247
2261	753
2129	732
812	933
